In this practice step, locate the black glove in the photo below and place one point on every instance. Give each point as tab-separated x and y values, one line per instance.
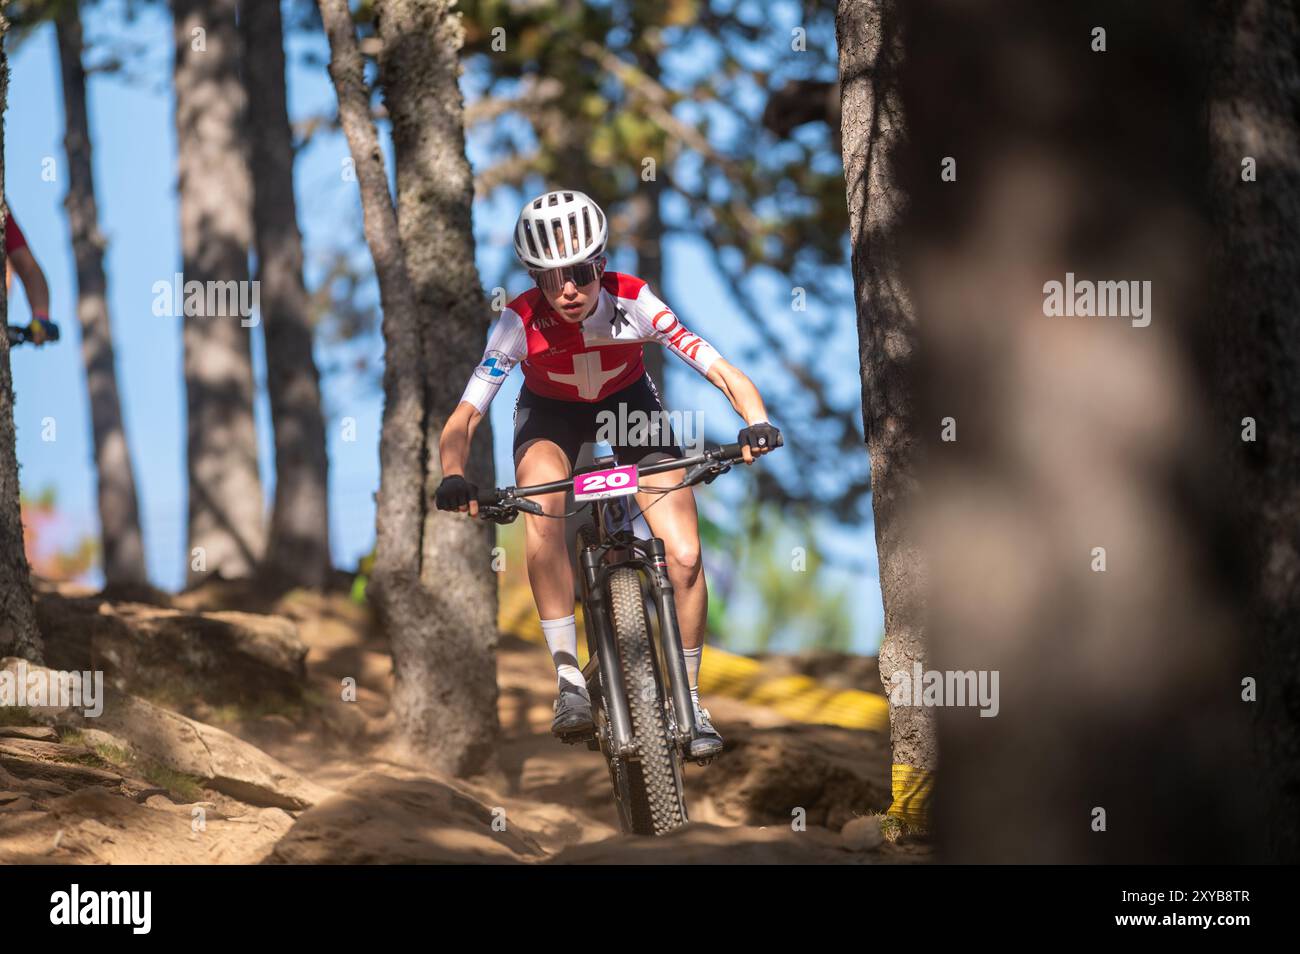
454	492
760	436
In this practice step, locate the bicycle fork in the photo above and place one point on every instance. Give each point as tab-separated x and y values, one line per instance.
670	643
596	609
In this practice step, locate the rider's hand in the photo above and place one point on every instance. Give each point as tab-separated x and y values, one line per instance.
41	329
456	493
757	439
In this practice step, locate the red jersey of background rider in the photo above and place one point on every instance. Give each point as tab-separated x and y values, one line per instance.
584	361
14	238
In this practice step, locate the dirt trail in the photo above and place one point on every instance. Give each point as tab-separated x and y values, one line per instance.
66	798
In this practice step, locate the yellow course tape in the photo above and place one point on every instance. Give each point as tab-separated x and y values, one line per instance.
912	788
800	698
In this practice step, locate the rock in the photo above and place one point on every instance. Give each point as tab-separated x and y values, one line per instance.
862	834
39	733
215	758
173	655
218	759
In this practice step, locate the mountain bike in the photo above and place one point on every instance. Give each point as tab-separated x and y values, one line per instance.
21	334
640	695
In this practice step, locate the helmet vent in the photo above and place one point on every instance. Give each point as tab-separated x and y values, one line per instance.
532	243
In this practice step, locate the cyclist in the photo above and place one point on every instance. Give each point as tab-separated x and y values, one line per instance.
579	335
20	258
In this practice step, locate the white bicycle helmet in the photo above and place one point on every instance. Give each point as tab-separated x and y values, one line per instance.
560	228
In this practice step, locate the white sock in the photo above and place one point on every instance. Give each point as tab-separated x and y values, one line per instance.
692	658
562	640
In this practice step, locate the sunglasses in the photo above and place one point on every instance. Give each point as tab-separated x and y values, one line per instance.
552	279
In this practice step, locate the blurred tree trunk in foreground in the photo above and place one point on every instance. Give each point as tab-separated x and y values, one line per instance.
298	548
872	126
18	633
122	543
1077	534
433	584
226	526
1255	135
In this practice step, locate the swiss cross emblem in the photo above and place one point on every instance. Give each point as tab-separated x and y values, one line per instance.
588	377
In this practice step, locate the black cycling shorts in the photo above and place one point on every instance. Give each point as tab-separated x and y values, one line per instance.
570	424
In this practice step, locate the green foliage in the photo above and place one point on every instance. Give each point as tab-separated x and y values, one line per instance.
773	555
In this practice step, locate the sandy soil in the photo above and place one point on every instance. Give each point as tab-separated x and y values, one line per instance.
781	792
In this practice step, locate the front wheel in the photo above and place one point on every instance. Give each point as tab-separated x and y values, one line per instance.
651	784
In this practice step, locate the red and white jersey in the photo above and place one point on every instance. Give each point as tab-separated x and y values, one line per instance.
587	361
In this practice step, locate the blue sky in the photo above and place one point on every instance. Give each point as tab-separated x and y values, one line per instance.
135	176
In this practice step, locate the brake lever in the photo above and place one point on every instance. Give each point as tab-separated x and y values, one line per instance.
714	470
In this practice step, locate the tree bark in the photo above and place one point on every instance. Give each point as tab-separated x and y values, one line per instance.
1077	533
432	583
1255	114
226	520
870	56
18	633
119	513
298	550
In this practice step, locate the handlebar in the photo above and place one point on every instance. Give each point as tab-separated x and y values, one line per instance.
21	334
500	504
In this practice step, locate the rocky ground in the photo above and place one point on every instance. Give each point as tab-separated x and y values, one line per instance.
225	738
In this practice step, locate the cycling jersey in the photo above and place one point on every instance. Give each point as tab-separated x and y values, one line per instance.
587	361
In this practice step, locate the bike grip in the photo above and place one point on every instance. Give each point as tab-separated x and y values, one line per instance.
489	495
731	451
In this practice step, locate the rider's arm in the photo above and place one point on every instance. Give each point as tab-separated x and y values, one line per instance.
740	391
453	445
659	323
33	279
506	345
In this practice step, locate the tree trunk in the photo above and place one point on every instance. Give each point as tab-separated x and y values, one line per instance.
420	69
18	633
226	523
650	221
298	551
1255	114
1078	540
433	584
870	55
119	514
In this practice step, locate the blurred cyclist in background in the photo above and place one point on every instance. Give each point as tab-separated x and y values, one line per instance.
19	258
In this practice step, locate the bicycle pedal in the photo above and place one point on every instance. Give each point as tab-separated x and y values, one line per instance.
573	738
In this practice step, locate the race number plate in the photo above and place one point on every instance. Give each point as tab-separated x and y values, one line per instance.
602	484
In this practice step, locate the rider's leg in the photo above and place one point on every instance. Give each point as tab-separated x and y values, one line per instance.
549	572
672	518
546	555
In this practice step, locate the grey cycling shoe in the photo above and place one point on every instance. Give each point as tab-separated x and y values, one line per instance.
709	742
572	712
